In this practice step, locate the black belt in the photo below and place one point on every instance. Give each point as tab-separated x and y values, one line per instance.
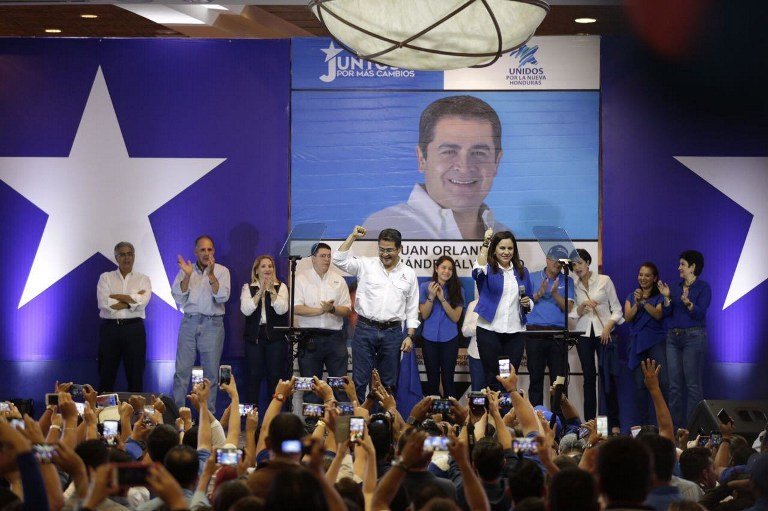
681	331
381	325
127	321
544	327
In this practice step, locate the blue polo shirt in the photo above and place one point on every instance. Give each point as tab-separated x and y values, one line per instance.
677	314
438	327
546	312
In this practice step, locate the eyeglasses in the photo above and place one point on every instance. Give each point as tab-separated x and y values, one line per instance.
125	254
323	256
387	250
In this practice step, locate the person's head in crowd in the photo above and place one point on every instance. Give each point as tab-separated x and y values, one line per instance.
525	480
531	504
697	465
125	256
94	453
119	456
488	458
741	455
204	250
647	277
440	504
570	445
390	243
444	273
160	440
573	489
759	475
321	257
224	474
664	457
563	461
459	151
691	264
350	490
503	252
248	504
190	437
380	432
182	463
229	493
618	479
264	267
284	427
295	487
581	260
686	505
426	493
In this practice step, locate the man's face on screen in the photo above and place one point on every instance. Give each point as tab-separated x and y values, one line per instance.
460	162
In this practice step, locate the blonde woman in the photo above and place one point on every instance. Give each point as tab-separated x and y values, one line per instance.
264	301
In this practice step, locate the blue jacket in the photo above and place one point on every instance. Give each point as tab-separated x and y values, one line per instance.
490	286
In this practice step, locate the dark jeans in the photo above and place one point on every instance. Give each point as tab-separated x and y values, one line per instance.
685	356
440	362
327	348
265	360
542	351
127	342
491	345
476	373
642	398
375	348
587	348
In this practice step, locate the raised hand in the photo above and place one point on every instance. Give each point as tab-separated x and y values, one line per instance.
488	235
650	373
510	382
358	232
638	294
211	265
186	266
663	289
433	287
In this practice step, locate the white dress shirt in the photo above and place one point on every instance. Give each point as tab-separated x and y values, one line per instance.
382	295
601	290
507	318
423	218
248	303
311	289
469	329
113	283
200	298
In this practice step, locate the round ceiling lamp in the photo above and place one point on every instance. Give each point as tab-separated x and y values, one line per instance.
431	34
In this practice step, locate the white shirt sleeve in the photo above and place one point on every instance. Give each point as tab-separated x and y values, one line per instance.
344	298
617	313
345	261
469	327
142	299
412	305
102	295
280	304
247	302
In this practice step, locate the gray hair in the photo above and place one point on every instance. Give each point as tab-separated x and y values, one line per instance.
123	244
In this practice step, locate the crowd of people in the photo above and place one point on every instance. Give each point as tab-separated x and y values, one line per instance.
497	453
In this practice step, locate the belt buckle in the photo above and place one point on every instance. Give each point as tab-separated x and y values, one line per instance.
119	321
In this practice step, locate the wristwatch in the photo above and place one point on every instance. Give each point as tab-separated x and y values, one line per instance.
412	421
279	397
399	463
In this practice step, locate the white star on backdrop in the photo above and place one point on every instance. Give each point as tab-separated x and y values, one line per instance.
97	196
745	181
331	52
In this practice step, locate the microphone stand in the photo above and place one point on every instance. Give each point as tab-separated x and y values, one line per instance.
566	341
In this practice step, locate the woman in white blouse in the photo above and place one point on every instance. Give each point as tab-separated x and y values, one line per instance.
599	311
264	301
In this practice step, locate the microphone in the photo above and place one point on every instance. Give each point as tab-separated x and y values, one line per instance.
521	292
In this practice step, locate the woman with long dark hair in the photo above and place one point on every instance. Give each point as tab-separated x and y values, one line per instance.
264	301
503	285
599	311
441	303
643	311
685	310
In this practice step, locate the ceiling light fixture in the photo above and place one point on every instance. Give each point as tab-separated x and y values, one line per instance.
585	20
53	31
431	34
89	16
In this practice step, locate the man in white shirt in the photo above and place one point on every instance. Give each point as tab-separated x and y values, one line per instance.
321	302
387	294
200	289
459	152
122	296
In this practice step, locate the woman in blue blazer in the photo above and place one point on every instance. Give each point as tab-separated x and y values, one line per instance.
502	284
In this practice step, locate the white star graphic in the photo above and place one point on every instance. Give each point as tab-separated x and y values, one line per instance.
97	196
331	52
745	181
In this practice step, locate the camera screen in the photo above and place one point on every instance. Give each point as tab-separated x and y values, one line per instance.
336	382
291	446
436	443
303	384
246	408
197	375
106	400
524	446
110	429
225	374
504	367
132	475
44	452
227	456
346	408
313	410
441	406
356	425
478	401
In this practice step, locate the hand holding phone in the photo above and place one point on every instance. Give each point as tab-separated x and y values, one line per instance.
229	456
602	425
356	429
303	383
335	382
130	474
197	375
440	406
435	443
225	375
504	367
